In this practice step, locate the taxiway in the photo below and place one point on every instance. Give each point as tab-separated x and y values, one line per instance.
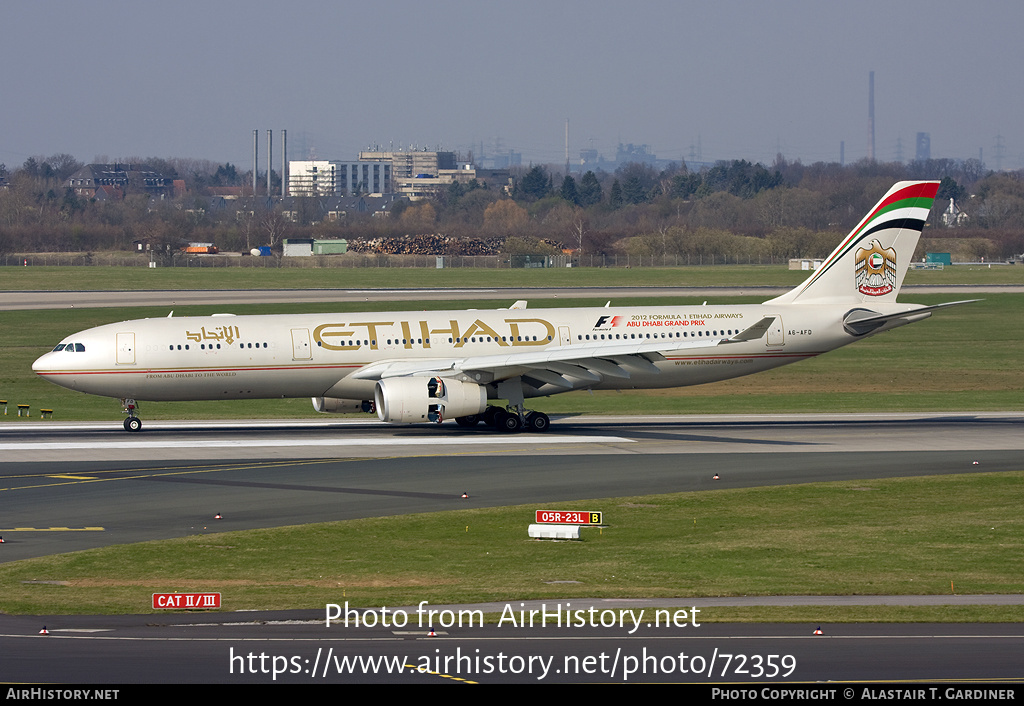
21	300
74	486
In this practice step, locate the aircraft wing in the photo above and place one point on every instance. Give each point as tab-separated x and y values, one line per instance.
564	366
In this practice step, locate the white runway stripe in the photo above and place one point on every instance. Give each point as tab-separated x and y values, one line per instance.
142	444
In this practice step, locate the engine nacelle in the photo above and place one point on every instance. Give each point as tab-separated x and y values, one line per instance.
336	405
411	400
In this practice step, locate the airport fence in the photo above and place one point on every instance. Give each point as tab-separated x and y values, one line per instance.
352	260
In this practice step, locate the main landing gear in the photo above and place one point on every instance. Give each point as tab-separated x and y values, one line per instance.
512	418
131	423
508	420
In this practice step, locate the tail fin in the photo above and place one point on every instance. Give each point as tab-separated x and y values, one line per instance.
870	263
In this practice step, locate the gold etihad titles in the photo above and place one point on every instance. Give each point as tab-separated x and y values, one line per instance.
354	335
227	334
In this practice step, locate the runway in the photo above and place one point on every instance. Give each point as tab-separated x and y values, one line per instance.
198	649
72	486
106	486
23	300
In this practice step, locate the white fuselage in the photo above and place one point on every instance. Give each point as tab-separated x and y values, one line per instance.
316	355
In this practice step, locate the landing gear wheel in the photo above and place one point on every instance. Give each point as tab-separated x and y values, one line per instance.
507	422
491	415
537	422
132	424
468	421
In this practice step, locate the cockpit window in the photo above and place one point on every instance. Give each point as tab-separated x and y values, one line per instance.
79	348
70	347
60	347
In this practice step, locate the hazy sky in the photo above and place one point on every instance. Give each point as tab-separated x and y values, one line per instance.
747	78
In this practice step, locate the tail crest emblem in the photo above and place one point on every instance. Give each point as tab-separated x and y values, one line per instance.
875	270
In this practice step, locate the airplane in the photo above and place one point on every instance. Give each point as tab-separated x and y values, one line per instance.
412	367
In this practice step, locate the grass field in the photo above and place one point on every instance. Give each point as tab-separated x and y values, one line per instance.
932	535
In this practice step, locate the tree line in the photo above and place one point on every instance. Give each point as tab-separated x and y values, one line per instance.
732	210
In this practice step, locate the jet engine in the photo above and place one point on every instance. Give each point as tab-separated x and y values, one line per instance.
410	400
336	405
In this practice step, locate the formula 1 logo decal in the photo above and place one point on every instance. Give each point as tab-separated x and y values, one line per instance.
875	270
606	322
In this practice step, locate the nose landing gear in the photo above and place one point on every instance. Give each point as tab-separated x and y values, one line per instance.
131	423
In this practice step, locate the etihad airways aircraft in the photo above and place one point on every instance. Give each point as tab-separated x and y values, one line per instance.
432	366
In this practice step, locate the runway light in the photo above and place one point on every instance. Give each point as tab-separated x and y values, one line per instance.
818	631
465	495
44	631
217	516
714	477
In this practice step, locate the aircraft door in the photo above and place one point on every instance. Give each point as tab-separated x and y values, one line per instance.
776	338
126	348
301	349
564	337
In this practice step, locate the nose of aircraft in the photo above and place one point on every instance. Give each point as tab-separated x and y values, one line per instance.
43	363
59	368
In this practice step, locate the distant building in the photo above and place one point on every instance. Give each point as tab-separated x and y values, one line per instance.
924	147
330	246
408	165
336	178
118	180
424	185
953	216
627	153
502	160
297	247
634	153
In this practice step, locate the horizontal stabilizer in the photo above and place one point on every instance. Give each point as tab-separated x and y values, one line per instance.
861	321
